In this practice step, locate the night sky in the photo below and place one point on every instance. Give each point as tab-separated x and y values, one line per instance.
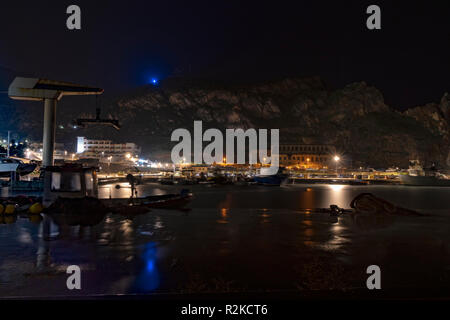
124	44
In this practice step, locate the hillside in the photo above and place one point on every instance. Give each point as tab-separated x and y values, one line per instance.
355	118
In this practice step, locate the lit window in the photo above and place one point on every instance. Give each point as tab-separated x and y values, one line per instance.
66	181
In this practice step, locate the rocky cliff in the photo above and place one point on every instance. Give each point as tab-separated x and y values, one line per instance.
355	118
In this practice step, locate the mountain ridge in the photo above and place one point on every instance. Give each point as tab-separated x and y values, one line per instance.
354	118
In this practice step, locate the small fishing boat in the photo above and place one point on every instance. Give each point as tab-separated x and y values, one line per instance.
164	201
8	165
75	189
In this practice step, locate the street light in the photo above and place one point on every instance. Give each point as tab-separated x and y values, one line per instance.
336	159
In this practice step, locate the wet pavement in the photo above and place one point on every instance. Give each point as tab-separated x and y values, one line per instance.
233	240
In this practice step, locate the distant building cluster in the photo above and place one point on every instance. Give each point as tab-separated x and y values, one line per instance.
293	156
106	149
34	152
305	156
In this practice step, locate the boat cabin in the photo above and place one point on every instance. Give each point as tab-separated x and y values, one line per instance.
7	166
72	181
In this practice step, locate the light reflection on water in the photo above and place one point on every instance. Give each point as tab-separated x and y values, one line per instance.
230	232
223	219
148	278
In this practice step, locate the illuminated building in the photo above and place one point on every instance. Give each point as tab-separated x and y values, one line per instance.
306	156
34	151
99	149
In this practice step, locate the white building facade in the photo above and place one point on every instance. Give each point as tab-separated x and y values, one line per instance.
101	149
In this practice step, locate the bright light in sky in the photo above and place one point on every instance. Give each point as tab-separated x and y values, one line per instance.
154	81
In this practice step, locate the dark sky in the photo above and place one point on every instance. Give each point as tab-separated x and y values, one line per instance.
125	43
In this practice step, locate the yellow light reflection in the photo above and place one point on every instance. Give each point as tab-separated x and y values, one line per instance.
223	216
336	187
337	195
223	212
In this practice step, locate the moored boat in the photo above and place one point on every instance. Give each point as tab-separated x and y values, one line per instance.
75	188
8	165
417	176
165	201
270	179
436	181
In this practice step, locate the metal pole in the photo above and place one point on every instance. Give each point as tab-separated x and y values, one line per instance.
7	147
49	132
43	251
48	146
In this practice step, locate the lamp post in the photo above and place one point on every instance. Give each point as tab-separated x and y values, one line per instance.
336	159
7	147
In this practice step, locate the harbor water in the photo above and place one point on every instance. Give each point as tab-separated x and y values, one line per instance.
234	240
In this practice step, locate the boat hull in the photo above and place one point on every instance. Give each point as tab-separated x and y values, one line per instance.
26	168
273	180
167	201
424	181
21	169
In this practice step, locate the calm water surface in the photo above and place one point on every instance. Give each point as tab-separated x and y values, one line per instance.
235	239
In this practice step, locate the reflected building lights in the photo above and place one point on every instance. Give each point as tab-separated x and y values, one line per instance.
126	227
223	212
158	223
223	216
337	195
336	187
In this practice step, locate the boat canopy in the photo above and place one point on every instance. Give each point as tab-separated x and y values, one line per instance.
73	181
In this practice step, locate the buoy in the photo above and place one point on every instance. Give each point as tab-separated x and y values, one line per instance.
10	219
10	209
2	208
36	208
35	218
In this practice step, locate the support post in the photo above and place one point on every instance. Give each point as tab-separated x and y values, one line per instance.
49	132
48	146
